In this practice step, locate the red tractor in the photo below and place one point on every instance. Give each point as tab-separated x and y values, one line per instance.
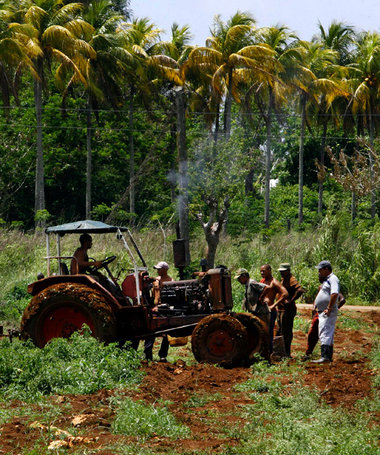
200	307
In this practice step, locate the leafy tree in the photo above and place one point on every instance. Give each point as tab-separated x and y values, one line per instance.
216	174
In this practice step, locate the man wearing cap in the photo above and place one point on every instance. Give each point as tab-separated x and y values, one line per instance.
162	270
254	292
288	310
326	304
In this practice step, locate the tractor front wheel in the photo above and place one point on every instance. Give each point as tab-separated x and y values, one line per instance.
220	339
60	310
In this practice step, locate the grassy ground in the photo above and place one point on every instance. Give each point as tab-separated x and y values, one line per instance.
79	397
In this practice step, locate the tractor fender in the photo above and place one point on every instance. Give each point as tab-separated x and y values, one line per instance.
38	286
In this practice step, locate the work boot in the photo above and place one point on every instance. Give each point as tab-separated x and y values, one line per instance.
325	354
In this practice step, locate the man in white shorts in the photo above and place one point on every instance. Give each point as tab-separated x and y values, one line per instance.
326	303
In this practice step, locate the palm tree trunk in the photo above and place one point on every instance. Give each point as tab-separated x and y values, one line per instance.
322	161
371	143
300	168
216	129
40	179
227	108
268	159
132	194
89	159
183	202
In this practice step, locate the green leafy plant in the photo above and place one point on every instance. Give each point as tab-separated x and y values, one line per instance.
78	365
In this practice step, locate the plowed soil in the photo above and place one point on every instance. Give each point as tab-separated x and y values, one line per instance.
343	383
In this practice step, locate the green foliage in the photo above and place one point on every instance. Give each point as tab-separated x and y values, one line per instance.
42	216
13	304
145	420
78	365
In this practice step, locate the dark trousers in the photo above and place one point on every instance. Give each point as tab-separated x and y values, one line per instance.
273	317
285	327
313	335
148	347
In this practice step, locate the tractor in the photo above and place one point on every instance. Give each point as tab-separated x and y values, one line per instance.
201	307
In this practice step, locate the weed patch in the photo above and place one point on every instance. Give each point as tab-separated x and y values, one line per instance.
145	420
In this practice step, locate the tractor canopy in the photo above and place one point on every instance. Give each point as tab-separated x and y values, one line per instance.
86	226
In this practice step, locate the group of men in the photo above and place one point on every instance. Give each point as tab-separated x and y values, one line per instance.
271	299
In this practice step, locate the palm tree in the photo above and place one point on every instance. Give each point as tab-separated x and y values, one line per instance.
139	40
312	80
338	37
97	59
45	26
273	92
365	82
170	68
229	48
12	54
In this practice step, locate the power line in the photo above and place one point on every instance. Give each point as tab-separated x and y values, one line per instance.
200	113
281	139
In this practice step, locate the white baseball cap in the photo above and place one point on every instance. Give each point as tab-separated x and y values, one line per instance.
161	265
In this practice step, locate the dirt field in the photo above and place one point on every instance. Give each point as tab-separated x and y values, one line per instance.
345	381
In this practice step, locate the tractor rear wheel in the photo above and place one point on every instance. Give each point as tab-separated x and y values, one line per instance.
220	339
258	338
60	310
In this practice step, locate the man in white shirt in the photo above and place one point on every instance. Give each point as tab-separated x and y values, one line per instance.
326	304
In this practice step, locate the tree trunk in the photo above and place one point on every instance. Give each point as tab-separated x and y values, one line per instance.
268	160
322	161
216	130
371	143
213	228
300	168
89	159
227	108
183	199
132	195
40	178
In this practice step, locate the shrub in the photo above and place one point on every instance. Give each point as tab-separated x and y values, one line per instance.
77	365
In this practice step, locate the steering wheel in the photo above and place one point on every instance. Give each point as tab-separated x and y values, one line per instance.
104	263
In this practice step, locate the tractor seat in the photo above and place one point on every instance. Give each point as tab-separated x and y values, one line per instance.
64	269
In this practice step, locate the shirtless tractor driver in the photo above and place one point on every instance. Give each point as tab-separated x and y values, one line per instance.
80	262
